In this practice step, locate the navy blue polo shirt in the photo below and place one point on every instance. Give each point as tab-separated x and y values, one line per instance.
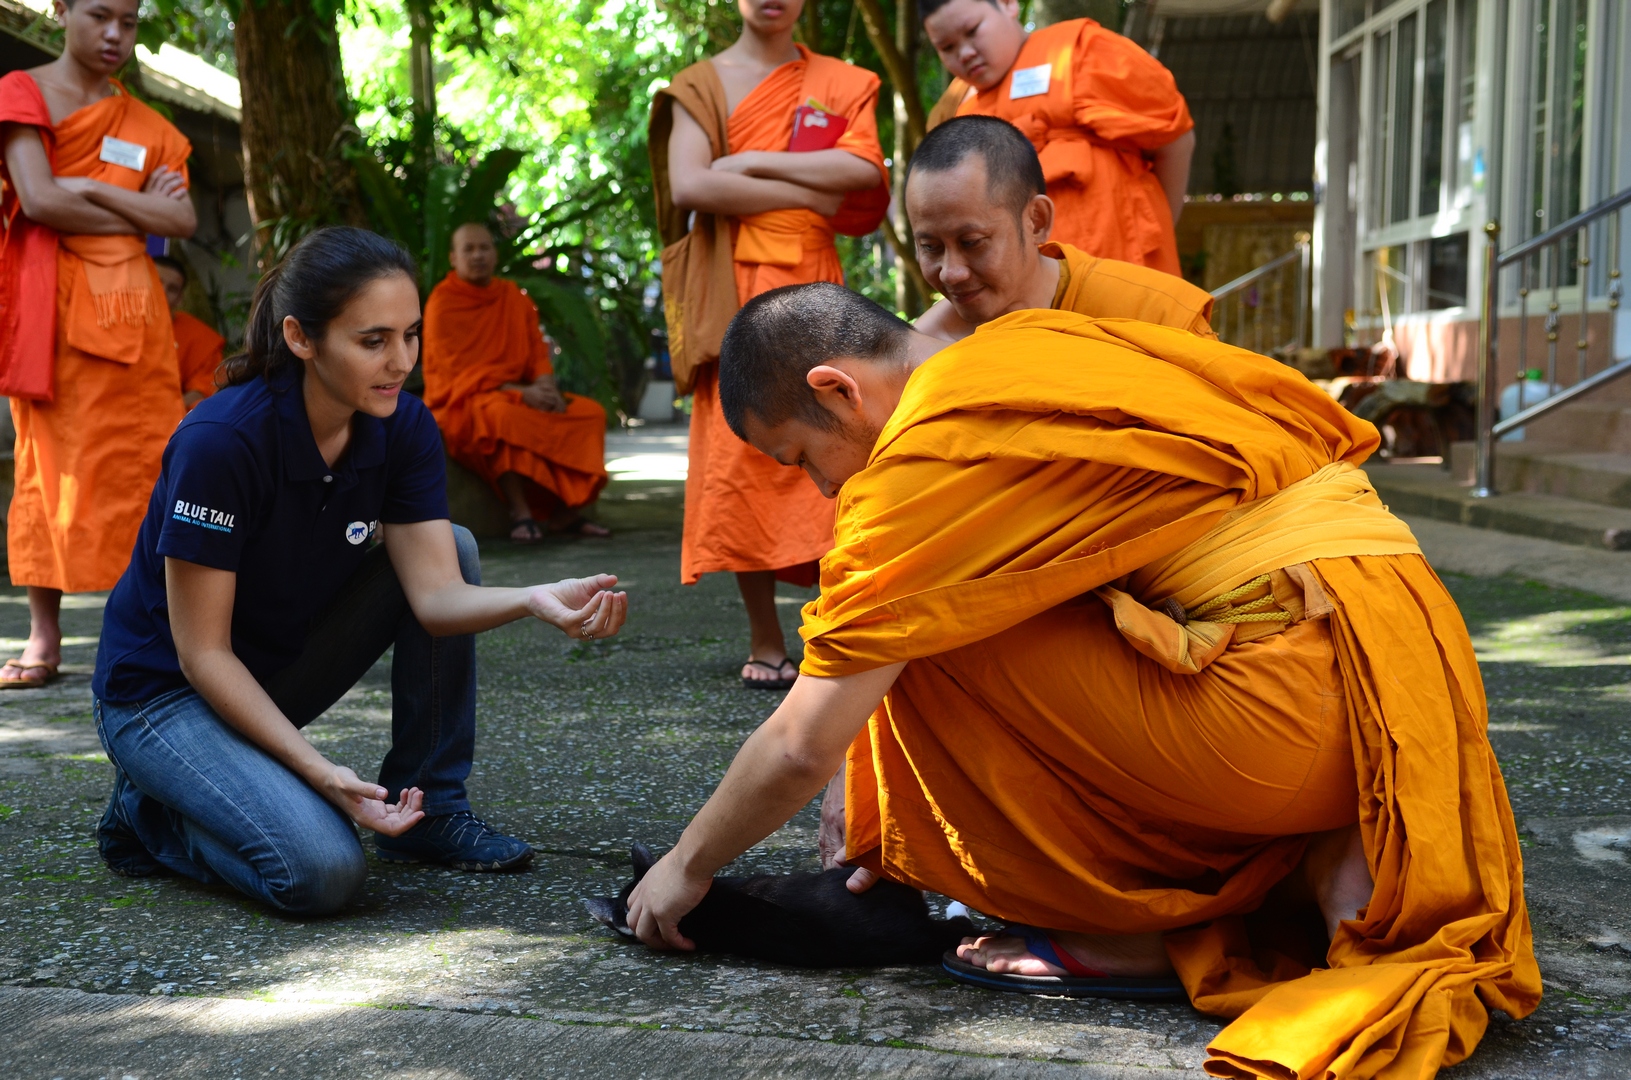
244	489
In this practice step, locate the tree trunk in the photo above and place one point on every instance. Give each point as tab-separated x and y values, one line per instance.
296	121
908	297
422	55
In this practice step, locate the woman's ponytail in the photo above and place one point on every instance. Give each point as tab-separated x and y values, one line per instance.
314	282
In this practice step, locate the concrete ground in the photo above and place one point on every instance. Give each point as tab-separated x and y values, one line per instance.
585	747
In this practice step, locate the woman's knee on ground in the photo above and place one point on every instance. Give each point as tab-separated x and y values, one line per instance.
324	873
469	556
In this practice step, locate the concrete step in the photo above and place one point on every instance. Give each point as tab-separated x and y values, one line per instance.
1541	468
1431	491
1585	425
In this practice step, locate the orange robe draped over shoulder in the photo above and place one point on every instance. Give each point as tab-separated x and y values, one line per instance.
1103	104
89	445
477	338
1112	289
1044	758
198	352
744	511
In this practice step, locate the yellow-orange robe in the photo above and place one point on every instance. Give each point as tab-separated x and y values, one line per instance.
89	445
1083	762
1103	105
476	339
1112	289
744	511
198	352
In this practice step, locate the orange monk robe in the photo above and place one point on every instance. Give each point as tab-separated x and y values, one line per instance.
198	352
1092	103
1043	762
476	339
89	448
744	511
1112	289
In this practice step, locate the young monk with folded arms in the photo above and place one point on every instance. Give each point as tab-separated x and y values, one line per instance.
760	155
1113	132
87	353
1122	649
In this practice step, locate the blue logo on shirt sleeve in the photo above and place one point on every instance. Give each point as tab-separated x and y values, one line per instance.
205	518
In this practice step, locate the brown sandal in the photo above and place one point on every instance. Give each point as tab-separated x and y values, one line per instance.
27	683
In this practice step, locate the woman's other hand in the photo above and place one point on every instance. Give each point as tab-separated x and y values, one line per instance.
581	607
665	896
365	804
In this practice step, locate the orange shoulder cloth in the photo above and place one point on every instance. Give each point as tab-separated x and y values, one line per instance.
699	274
1112	289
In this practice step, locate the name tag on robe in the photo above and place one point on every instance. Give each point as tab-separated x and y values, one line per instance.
1029	82
119	152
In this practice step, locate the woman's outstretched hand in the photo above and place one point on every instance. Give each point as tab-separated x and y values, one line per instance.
664	897
365	804
581	607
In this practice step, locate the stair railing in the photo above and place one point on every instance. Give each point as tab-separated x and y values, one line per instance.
1544	262
1250	311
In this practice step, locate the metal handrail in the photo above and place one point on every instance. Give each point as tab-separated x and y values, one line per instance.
1301	252
1489	430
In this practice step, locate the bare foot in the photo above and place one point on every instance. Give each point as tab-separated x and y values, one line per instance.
577	525
525	531
1133	956
1340	876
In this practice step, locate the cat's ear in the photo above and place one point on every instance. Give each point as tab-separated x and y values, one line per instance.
643	860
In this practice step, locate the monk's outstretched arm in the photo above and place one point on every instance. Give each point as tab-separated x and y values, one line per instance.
824	170
694	184
779	769
46	202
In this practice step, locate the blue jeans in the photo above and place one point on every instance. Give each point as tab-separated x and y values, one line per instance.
207	803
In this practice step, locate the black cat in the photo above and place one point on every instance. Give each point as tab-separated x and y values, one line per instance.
803	920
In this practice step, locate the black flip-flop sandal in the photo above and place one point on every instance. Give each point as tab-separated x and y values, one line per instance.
535	531
778	683
1082	981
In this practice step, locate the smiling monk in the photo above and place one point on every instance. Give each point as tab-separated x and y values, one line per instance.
759	156
981	217
87	354
1123	649
491	386
1113	131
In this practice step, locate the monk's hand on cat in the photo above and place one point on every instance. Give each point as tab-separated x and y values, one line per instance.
581	607
543	395
365	804
830	835
665	896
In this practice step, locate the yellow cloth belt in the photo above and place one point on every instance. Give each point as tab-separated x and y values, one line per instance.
1247	569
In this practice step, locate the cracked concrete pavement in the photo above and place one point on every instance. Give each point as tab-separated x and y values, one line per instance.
586	747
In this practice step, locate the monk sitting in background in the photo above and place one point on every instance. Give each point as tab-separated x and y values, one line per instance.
491	386
760	156
1113	131
198	346
981	216
1123	649
87	355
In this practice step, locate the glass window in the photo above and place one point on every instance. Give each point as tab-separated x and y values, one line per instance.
1404	117
1466	76
1389	281
1432	109
1349	14
1381	126
1447	271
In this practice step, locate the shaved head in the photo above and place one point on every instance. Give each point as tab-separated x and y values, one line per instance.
779	336
474	256
1012	169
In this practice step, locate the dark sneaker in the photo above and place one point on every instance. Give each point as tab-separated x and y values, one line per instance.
121	848
461	840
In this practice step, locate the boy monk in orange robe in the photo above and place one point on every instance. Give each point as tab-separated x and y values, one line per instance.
491	386
1113	131
759	155
981	216
198	346
87	354
1123	649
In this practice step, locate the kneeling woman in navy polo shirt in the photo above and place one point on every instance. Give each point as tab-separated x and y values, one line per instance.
254	600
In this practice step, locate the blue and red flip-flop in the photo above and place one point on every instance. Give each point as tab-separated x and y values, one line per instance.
1081	980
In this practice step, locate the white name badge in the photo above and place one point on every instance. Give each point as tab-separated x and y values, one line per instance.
118	152
1029	82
